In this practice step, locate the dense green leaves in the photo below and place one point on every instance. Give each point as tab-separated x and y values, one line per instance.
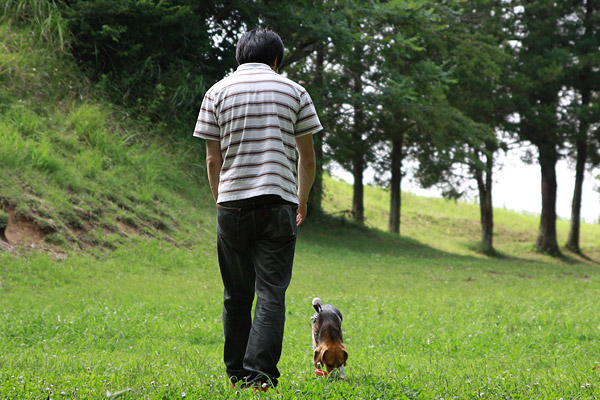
158	57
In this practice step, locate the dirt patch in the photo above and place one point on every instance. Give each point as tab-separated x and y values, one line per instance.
584	278
128	229
524	276
24	234
39	227
4	246
20	230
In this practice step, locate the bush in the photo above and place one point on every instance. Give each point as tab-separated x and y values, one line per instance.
152	56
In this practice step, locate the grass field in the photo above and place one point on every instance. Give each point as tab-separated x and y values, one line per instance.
419	322
125	300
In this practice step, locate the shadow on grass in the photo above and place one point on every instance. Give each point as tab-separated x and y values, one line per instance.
339	232
571	257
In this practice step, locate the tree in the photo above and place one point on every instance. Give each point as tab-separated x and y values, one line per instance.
539	76
352	136
406	82
443	89
479	46
159	57
585	82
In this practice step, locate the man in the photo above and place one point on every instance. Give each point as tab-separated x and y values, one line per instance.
254	122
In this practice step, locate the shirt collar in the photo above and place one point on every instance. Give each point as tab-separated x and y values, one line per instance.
253	66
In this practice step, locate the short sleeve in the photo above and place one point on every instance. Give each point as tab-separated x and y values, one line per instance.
308	121
207	126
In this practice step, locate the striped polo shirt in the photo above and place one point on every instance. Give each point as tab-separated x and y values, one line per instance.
256	114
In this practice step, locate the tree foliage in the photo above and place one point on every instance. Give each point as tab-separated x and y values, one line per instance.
157	57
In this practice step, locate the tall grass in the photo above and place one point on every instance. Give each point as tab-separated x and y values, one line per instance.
41	16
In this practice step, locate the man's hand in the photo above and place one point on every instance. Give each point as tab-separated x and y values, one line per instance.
301	214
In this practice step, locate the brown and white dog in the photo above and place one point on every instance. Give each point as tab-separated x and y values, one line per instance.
328	345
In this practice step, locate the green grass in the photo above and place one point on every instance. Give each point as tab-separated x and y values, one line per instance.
426	316
418	322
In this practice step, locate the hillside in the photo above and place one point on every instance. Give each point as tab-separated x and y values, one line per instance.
454	226
78	172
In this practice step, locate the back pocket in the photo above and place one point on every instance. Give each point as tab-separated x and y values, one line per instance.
228	221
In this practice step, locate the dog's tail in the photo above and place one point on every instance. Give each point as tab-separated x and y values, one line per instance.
317	304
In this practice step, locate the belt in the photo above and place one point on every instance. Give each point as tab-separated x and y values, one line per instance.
254	202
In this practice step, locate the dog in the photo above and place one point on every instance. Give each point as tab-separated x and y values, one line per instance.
330	354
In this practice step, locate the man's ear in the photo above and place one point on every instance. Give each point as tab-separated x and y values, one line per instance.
275	67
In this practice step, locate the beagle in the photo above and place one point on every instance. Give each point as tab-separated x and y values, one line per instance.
329	351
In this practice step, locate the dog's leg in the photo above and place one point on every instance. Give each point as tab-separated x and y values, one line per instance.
342	375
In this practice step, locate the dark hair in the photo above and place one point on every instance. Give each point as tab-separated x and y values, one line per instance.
259	46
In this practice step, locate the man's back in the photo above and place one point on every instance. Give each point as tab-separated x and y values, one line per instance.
257	114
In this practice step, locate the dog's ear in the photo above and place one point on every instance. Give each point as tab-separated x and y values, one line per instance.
324	355
319	356
345	353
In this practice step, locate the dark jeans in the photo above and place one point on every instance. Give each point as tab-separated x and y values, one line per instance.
256	239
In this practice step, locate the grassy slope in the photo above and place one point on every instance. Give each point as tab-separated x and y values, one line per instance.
81	170
454	226
424	315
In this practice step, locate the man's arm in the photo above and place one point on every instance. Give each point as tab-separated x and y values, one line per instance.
306	173
214	161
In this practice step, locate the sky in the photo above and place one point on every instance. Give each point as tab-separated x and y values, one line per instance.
517	187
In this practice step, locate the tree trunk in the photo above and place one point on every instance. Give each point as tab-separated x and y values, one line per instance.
315	201
573	239
546	241
582	146
358	162
396	185
484	184
358	206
